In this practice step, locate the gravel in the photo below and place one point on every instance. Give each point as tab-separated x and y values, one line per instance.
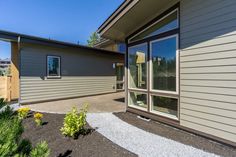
139	141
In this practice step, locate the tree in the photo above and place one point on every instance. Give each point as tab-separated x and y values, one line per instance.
93	39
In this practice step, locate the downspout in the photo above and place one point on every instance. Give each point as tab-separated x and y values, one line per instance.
19	66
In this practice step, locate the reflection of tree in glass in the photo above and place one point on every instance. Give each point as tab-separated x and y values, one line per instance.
53	66
164	73
137	71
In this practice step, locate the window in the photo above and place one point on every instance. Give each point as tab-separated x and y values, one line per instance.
165	106
138	99
163	59
53	66
165	24
120	76
138	66
120	86
119	71
153	67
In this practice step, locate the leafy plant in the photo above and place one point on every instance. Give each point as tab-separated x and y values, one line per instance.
2	103
11	144
41	150
10	131
6	113
93	39
38	118
23	112
24	147
74	122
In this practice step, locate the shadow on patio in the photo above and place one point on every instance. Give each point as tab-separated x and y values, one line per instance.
113	102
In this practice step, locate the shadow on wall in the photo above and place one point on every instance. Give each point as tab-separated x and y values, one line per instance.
74	62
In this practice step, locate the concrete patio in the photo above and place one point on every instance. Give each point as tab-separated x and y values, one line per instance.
97	104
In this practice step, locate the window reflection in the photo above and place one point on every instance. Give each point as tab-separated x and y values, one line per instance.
165	105
164	25
53	66
138	66
138	99
164	64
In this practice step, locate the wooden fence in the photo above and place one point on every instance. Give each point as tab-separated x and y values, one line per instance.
5	87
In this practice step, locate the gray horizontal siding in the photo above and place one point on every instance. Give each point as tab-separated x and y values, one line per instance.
208	67
83	72
35	89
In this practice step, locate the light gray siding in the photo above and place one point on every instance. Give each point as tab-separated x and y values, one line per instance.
83	72
208	67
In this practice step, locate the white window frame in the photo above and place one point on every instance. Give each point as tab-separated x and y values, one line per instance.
135	106
177	66
59	59
162	113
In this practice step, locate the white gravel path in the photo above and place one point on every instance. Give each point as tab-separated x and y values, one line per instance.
138	141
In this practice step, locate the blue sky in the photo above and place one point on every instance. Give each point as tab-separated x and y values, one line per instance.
65	20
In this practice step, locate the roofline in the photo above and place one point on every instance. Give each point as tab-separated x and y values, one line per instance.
12	36
102	42
117	12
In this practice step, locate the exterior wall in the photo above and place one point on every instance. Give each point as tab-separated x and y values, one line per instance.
14	71
207	67
83	72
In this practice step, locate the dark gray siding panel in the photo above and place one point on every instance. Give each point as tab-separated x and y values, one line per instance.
208	67
83	73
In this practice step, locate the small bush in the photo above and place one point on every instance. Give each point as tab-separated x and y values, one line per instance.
38	118
2	103
41	150
11	144
23	112
74	122
24	147
6	113
10	131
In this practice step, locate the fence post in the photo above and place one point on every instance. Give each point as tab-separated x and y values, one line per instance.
8	88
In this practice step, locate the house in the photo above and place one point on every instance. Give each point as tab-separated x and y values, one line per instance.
180	62
5	63
111	45
46	70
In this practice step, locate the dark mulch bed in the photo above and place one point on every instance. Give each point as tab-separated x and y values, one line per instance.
91	144
178	135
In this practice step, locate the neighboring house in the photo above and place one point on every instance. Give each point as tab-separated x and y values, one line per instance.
52	70
180	62
5	65
111	45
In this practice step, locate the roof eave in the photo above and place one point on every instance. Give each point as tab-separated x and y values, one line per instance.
116	15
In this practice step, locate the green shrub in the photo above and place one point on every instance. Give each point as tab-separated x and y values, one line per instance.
74	122
25	147
11	145
10	131
2	103
41	150
7	113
